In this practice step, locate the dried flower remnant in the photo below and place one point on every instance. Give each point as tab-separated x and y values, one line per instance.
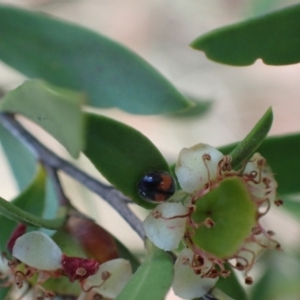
217	217
36	253
77	268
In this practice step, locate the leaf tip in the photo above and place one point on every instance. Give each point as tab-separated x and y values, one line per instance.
195	44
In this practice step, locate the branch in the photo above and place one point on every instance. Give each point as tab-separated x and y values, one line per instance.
109	194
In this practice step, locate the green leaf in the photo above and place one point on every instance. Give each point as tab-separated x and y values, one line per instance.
261	289
4	292
68	244
52	204
272	37
173	173
31	200
21	160
231	286
29	205
282	154
220	295
152	280
70	56
197	109
253	140
126	254
122	154
280	279
63	287
23	165
56	110
292	206
17	214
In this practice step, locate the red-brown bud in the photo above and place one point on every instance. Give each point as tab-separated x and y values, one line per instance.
19	231
94	240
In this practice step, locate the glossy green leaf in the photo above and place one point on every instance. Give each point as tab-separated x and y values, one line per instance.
231	286
152	280
70	56
253	139
21	160
56	110
122	154
282	154
31	200
272	37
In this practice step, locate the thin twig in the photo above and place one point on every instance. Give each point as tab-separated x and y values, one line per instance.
108	193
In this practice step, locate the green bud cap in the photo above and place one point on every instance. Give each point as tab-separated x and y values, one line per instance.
233	214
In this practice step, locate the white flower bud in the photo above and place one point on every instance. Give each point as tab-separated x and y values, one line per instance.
163	228
38	250
187	284
263	184
196	166
111	277
252	249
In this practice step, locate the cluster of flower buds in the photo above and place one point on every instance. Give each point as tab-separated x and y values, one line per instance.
36	253
216	216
